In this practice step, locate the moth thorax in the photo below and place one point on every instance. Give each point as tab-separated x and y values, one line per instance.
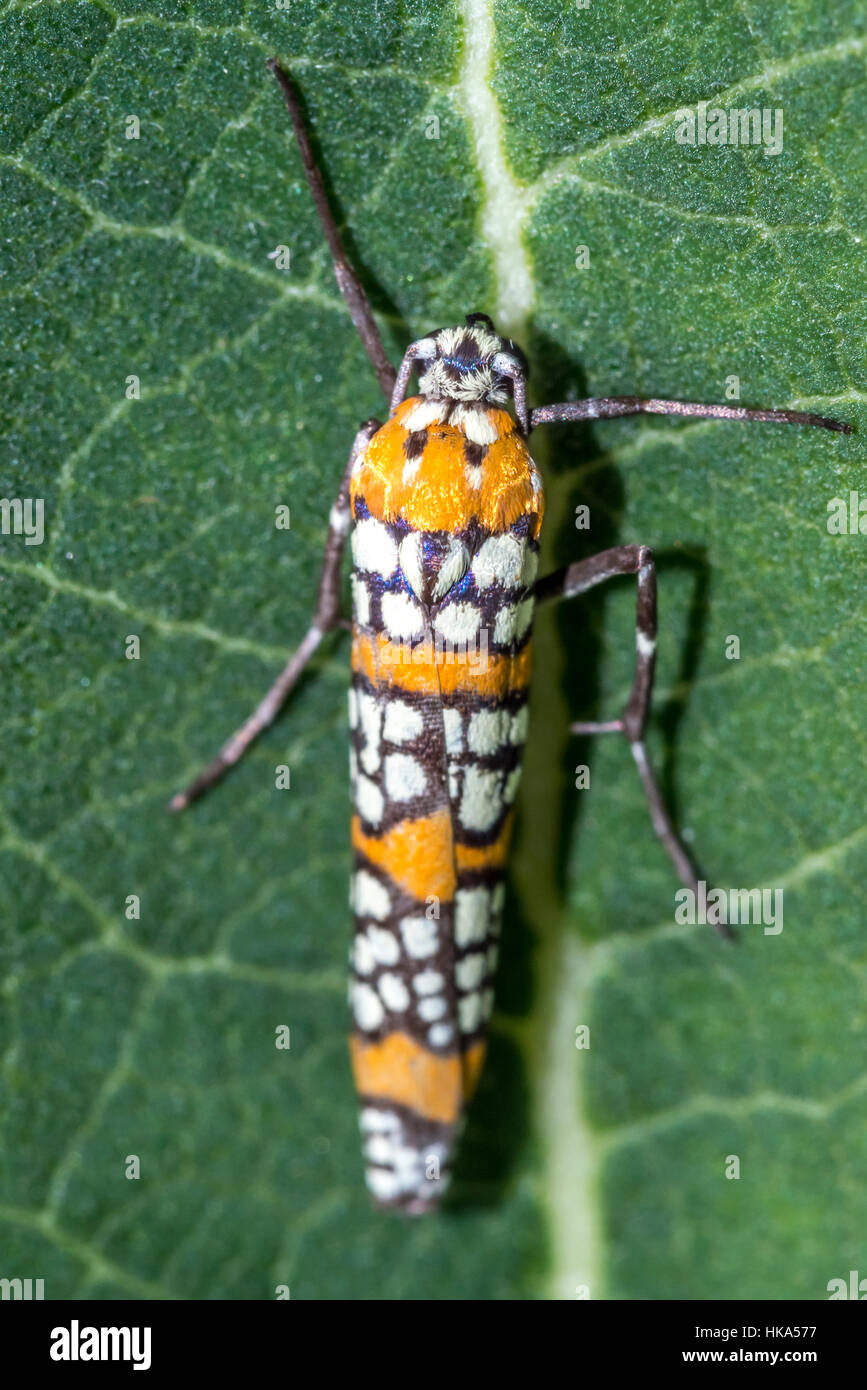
446	379
470	363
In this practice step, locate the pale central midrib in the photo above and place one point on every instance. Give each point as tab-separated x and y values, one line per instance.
500	213
563	966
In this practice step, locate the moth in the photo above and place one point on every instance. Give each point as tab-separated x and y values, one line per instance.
444	506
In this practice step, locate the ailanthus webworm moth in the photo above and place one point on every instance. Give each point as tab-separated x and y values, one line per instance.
445	505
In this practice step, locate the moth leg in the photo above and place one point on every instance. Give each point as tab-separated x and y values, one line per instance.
576	579
326	617
611	407
348	281
412	356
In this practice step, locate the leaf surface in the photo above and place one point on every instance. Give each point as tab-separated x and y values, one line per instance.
150	258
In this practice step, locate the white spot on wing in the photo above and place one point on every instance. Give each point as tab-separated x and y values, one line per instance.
384	1184
410	470
404	777
419	937
360	600
384	945
499	560
424	413
368	1011
363	959
472	912
470	971
431	1009
370	718
477	425
378	1121
403	723
453	722
470	1012
458	623
482	800
428	982
393	993
371	896
401	617
487	731
373	548
452	570
504	626
513	781
520	724
513	621
411	556
380	1149
369	800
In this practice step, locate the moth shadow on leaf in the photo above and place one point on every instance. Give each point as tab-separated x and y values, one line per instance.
585	473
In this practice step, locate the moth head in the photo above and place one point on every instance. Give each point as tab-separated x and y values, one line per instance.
469	363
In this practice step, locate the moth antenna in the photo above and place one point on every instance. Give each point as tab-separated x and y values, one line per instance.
612	407
347	279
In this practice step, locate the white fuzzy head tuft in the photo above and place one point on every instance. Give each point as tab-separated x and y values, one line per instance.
470	363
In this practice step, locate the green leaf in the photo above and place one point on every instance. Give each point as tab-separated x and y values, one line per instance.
148	258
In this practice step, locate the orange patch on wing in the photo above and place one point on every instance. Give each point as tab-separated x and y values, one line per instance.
388	665
491	856
417	854
441	496
401	1070
471	1063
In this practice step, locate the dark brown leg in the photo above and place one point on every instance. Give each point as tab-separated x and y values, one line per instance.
326	617
576	579
407	366
350	285
610	407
